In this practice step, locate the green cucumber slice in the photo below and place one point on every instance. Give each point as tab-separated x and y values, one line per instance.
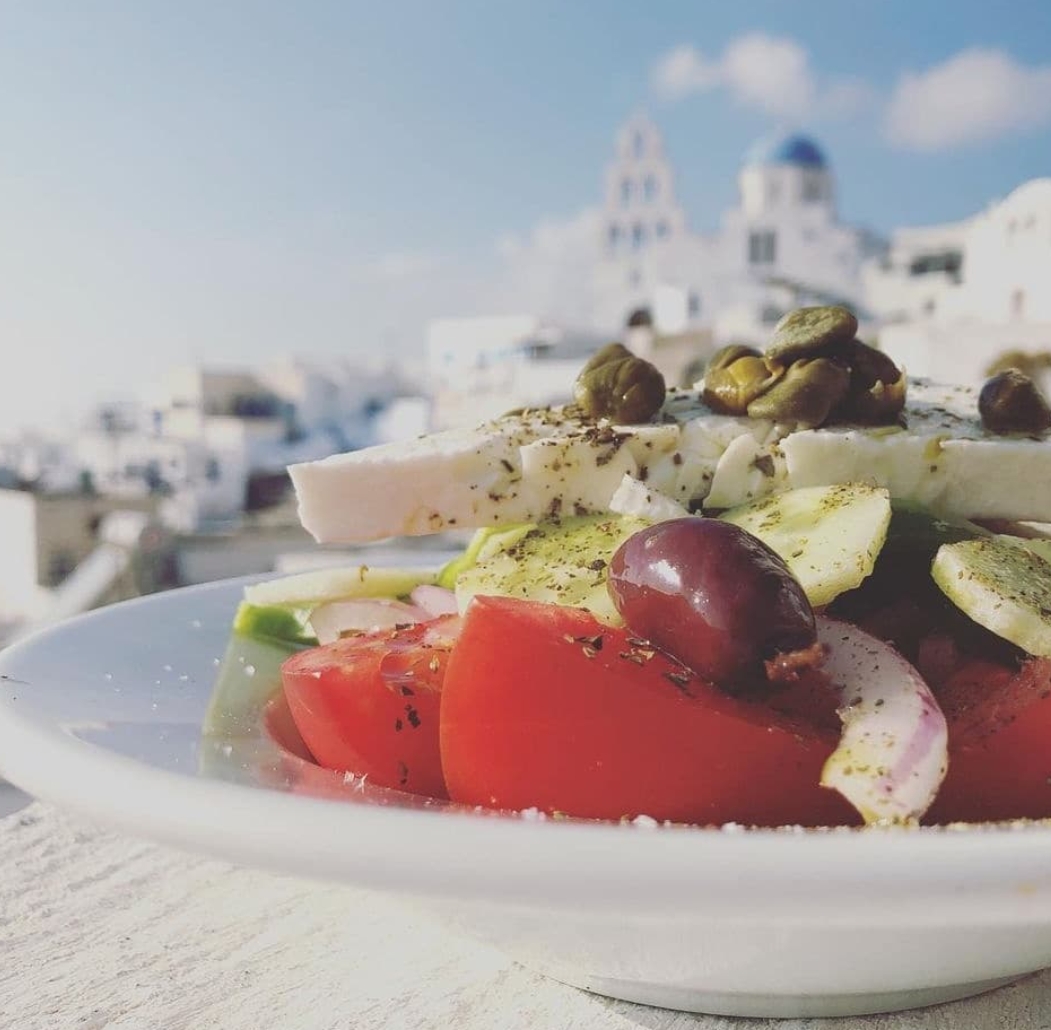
309	589
1001	583
829	536
562	561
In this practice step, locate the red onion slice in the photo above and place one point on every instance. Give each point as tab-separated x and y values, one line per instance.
330	621
892	754
434	599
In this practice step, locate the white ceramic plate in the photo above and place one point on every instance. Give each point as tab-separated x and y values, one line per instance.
103	715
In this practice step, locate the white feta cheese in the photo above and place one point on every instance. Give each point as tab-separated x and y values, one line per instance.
642	500
521	469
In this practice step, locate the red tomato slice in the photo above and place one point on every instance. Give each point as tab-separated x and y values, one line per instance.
545	707
999	743
370	704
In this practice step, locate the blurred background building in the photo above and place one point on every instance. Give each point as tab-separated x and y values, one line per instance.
189	482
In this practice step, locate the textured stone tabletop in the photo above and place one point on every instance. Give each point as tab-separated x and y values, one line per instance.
101	931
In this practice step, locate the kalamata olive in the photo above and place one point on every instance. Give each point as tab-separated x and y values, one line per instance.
711	595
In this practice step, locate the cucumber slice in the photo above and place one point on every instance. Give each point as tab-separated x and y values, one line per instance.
1002	584
560	562
249	675
309	589
485	542
1038	545
276	623
829	536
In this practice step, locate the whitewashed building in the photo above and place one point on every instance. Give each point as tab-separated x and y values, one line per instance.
782	244
47	539
208	440
922	265
482	367
960	296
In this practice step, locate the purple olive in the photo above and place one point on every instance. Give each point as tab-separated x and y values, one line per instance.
711	595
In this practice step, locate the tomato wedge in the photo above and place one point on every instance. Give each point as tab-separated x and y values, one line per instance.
544	707
370	704
999	743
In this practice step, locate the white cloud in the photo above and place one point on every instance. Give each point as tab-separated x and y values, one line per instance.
682	71
975	96
769	73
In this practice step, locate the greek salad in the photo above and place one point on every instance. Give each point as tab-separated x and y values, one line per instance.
820	655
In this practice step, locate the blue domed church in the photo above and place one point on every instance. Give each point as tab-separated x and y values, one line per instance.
781	245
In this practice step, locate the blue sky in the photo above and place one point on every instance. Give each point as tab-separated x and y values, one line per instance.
240	180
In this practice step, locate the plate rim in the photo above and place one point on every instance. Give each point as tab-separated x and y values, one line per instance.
379	846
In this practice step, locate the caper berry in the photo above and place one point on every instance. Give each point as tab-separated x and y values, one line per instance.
730	389
726	356
617	385
877	386
813	331
807	393
1011	402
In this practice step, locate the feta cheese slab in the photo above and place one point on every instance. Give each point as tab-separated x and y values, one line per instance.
523	468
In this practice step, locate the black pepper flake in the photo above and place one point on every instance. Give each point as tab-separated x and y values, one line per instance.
679	679
413	716
507	465
406	690
632	656
403	774
398	724
676	458
594	642
764	463
597	565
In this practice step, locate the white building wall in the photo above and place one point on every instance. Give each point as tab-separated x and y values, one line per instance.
1007	259
459	349
961	351
20	592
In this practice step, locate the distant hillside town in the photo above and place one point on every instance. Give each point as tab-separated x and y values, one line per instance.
189	484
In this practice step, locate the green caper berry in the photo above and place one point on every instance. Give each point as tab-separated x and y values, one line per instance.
877	387
1011	402
813	331
730	389
807	393
617	385
726	356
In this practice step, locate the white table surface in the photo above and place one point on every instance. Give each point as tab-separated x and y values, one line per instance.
99	931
